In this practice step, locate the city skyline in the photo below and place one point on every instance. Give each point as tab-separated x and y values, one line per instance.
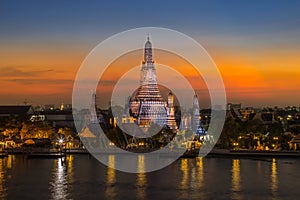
43	45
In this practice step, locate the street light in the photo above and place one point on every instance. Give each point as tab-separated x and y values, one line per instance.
235	144
60	143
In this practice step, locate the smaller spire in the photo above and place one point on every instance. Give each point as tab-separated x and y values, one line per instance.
148	37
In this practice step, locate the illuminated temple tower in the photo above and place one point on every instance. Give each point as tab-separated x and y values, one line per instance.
147	105
195	117
171	122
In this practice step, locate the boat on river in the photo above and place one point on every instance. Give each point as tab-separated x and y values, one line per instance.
46	155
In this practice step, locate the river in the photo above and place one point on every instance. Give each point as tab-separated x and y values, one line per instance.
83	177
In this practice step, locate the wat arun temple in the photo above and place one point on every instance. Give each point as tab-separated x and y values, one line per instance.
147	105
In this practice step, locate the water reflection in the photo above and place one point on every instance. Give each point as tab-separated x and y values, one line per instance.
141	178
184	168
3	189
197	178
69	165
274	180
59	184
259	168
9	161
236	179
110	191
199	181
196	175
185	179
207	178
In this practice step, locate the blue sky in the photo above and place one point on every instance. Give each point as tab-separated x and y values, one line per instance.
78	18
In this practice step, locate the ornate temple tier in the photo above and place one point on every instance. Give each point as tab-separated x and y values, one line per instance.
147	105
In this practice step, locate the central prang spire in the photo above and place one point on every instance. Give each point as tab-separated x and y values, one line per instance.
147	105
148	51
148	72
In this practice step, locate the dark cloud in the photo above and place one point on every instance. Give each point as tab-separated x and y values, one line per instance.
107	82
125	81
31	75
25	71
39	81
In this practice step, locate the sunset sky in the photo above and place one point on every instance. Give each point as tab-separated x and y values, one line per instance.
256	45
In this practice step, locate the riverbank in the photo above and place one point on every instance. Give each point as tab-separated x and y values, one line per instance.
190	154
254	153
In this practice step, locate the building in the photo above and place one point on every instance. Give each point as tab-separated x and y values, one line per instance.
49	107
247	114
171	121
185	121
22	110
196	114
295	143
147	105
59	118
242	114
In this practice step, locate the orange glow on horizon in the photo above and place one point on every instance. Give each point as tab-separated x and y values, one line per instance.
256	77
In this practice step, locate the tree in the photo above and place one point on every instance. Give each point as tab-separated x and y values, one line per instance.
254	126
230	133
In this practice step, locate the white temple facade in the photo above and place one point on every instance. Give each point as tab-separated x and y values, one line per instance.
147	105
